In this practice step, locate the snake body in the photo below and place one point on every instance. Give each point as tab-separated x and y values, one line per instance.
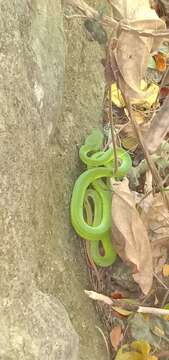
93	196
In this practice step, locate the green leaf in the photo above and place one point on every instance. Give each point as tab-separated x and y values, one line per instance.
95	139
151	63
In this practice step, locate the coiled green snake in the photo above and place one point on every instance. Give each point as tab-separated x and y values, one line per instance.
92	196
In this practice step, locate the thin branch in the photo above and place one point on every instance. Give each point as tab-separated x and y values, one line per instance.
112	131
165	298
161	282
136	308
151	310
166	75
164	241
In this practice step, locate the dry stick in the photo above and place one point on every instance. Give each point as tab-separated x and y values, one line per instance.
133	308
160	281
164	78
146	195
165	298
161	242
112	130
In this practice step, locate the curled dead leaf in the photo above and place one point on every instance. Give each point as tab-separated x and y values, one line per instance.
158	128
130	237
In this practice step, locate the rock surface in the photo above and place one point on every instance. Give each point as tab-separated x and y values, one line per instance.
34	325
40	257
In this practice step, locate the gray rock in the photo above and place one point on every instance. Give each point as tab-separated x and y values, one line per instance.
40	256
34	325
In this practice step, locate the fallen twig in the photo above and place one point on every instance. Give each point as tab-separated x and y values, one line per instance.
164	241
165	298
112	132
131	307
161	282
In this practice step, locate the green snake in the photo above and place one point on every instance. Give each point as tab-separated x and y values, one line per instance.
92	196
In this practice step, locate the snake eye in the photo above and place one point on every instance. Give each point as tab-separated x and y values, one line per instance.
119	162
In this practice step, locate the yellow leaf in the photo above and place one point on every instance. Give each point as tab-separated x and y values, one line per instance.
118	100
166	270
116	96
141	351
128	355
122	311
141	346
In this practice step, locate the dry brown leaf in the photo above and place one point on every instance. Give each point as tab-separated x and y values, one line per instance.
158	128
156	220
133	51
130	237
116	336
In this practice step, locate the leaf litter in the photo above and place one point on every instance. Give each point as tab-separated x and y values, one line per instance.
137	53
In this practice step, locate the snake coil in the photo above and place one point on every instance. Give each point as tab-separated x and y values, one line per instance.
92	196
